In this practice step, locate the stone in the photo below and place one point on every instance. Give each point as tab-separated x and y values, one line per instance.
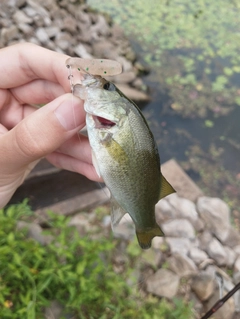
70	24
204	240
181	265
159	243
25	28
52	31
125	229
9	34
126	65
231	256
99	28
178	245
164	283
232	239
20	17
203	285
125	77
81	51
237	264
63	40
197	255
237	250
178	228
216	215
181	182
164	211
184	207
216	251
35	232
132	93
226	311
42	35
104	49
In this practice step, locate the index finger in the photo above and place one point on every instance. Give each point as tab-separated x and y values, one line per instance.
24	62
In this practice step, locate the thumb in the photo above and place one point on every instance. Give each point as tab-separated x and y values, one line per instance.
41	133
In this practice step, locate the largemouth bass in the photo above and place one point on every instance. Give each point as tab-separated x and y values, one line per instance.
124	154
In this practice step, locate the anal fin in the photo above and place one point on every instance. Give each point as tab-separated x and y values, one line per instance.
145	236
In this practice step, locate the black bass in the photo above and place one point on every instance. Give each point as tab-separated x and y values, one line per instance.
124	154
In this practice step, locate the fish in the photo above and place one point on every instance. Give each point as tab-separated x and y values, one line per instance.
124	154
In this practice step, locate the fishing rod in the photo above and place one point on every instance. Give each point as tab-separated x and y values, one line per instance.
221	302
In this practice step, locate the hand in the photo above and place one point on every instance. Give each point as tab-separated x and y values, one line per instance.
32	75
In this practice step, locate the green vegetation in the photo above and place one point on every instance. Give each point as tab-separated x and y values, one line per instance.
76	271
192	45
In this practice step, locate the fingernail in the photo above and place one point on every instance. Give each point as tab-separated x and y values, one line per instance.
70	113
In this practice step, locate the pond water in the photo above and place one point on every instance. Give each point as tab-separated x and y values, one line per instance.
194	113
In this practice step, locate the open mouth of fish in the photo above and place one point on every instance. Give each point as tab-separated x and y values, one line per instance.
101	122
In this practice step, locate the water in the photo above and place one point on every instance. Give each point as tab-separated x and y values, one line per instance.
194	84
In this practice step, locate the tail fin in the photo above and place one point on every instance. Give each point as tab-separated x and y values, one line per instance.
145	236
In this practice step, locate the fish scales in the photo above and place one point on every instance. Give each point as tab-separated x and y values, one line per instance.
124	154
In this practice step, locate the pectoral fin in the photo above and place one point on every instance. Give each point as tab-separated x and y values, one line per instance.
95	163
166	188
145	236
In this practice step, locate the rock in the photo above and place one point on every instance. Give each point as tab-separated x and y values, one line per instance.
226	311
104	49
127	65
180	181
20	17
126	77
69	24
231	256
9	34
216	215
25	28
178	245
125	229
151	257
81	51
159	243
232	239
63	40
203	285
42	35
197	255
132	93
181	265
164	211
216	251
54	310
164	283
237	264
35	232
237	250
99	28
178	228
52	31
204	240
183	207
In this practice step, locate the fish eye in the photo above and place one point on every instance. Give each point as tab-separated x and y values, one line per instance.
106	86
109	86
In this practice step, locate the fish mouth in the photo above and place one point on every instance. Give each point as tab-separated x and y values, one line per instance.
101	122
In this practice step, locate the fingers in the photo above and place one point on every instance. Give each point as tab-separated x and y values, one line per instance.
37	92
25	62
74	165
41	133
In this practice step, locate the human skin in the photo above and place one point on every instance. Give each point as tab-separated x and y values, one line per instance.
32	75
